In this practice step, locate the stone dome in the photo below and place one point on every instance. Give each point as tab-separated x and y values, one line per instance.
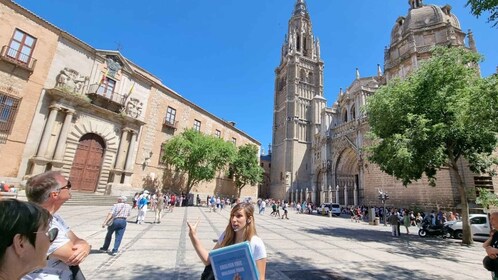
423	17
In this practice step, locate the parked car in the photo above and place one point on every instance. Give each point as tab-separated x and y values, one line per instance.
325	208
479	225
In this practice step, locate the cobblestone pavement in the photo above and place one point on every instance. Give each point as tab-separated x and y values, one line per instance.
303	247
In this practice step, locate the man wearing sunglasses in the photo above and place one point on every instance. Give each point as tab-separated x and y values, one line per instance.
51	190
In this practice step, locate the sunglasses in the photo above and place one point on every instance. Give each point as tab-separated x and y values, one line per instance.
67	186
51	234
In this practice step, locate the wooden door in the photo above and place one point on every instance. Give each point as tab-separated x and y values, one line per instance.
87	163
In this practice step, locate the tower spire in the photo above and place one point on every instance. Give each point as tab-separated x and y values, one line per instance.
300	8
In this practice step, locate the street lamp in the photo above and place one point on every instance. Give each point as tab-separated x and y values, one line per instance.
383	196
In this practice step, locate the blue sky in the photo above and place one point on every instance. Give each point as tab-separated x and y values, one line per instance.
222	54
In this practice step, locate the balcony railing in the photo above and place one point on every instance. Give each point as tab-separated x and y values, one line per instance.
170	124
111	96
18	58
112	101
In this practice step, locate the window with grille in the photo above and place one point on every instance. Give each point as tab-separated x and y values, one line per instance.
8	110
217	133
197	125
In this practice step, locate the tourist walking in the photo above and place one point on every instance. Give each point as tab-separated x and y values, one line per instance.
142	207
116	224
159	208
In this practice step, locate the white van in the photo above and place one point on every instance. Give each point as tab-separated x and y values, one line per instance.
336	209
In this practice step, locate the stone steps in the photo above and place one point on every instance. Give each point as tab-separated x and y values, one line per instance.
82	199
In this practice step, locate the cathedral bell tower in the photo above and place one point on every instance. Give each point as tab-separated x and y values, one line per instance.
298	101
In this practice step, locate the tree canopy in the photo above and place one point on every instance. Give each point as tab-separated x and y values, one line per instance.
440	113
478	7
245	168
198	156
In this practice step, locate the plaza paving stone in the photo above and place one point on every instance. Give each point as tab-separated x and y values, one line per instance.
303	247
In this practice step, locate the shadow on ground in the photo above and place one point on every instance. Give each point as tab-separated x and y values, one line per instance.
409	245
298	269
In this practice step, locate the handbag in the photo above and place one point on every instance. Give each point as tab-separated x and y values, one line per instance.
208	273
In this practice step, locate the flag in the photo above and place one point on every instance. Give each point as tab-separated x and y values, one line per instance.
129	93
104	75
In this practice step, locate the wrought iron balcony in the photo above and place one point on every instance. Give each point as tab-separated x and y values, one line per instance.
18	58
170	124
112	101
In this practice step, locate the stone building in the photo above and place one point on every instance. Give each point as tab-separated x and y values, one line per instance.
92	114
340	171
298	102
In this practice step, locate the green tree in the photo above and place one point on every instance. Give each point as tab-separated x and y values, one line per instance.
477	7
439	114
198	156
245	168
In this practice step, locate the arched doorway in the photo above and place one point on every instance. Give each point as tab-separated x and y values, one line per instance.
87	163
347	177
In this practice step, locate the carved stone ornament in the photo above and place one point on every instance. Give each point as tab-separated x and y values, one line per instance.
134	108
114	66
70	80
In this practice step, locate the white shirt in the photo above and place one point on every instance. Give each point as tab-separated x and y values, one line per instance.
258	248
55	268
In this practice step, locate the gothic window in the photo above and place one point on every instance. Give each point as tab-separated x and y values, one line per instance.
345	115
302	75
217	133
310	77
8	110
170	116
197	125
298	43
21	46
107	87
353	113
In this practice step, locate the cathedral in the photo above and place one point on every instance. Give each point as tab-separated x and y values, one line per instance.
318	151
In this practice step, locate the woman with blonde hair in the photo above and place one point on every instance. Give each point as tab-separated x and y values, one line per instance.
241	227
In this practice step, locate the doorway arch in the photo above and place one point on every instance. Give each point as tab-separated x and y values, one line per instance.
87	163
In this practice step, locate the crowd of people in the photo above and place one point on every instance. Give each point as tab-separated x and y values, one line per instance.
35	228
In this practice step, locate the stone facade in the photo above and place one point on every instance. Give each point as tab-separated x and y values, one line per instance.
92	114
22	76
297	104
341	172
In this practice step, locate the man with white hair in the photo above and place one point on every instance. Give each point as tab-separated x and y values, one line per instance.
51	190
116	223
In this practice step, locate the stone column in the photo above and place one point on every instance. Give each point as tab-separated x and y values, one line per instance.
42	149
337	194
61	145
119	165
307	195
346	195
330	194
355	194
129	158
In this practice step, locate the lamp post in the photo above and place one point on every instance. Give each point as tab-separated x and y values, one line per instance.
383	196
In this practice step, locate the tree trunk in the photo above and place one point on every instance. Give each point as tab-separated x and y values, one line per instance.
467	234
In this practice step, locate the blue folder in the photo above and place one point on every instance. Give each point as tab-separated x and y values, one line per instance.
233	259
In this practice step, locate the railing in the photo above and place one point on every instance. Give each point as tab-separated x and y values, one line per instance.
18	58
97	89
169	123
